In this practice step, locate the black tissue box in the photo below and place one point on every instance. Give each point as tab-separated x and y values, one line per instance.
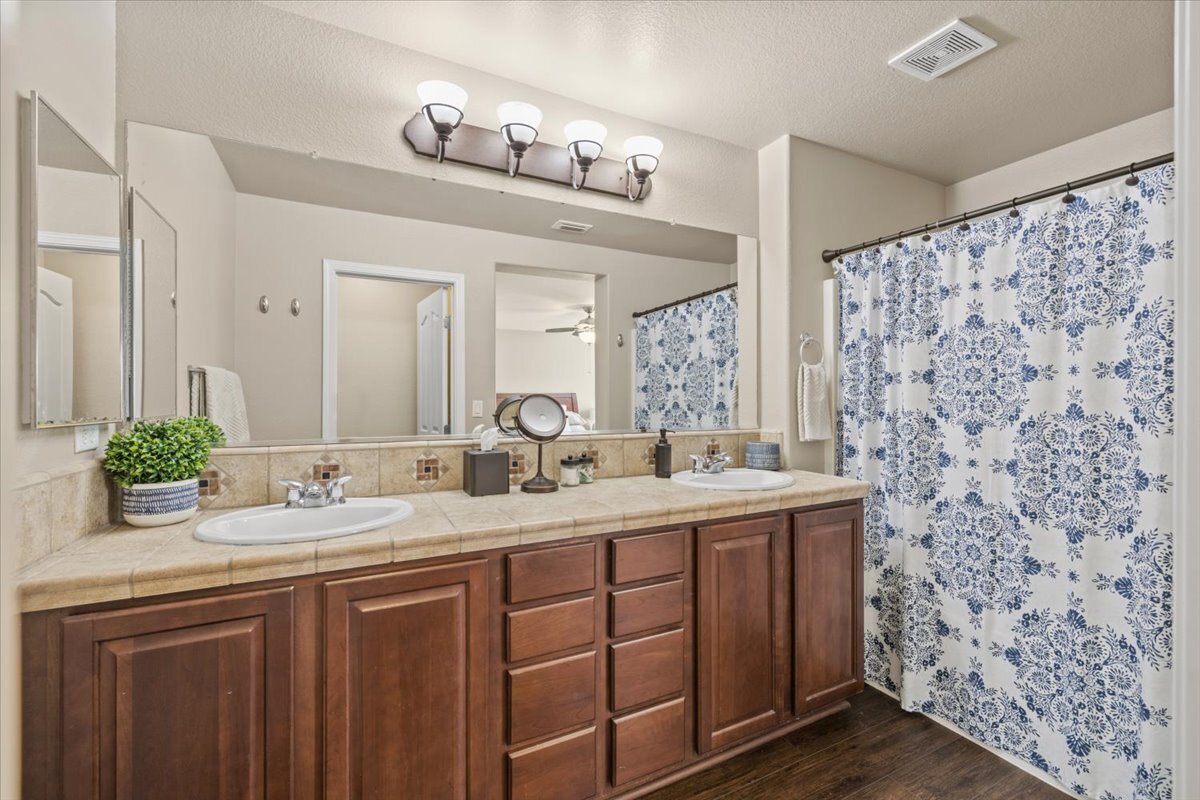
485	472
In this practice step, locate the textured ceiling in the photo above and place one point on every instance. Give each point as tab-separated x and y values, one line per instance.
527	301
749	72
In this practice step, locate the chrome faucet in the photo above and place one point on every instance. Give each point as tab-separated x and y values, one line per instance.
710	463
312	494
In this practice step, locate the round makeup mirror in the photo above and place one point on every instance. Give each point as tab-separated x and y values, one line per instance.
536	418
540	418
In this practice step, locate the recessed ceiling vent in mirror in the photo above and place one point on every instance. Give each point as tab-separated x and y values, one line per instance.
567	226
937	54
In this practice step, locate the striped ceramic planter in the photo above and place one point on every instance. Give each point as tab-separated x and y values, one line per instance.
149	504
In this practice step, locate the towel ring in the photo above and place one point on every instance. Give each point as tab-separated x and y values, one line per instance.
805	341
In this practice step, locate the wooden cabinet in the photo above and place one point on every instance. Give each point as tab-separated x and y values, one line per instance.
828	640
588	669
405	678
184	700
742	632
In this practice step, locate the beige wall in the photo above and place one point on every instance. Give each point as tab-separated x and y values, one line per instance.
181	175
531	361
1134	141
95	330
814	197
65	50
254	73
377	357
280	248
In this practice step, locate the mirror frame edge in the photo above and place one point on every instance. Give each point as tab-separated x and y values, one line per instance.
28	268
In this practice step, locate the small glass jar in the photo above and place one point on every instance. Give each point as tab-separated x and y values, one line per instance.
568	471
587	469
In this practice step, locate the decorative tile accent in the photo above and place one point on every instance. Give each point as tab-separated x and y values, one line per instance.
325	470
517	466
428	469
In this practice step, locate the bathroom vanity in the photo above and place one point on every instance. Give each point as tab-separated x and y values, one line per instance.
600	665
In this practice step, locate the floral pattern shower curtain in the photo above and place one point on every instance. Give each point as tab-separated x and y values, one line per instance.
1008	391
685	365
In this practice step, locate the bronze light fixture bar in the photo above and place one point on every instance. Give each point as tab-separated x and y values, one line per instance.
486	148
1100	177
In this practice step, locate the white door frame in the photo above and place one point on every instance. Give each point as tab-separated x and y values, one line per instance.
456	281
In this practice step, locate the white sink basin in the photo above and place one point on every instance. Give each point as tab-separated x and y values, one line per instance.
736	480
279	525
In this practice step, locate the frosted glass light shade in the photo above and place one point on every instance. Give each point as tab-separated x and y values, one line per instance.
587	337
586	137
641	154
643	146
524	118
440	94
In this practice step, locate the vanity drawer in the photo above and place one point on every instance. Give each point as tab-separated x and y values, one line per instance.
553	572
548	629
646	608
563	769
646	669
550	697
647	741
654	556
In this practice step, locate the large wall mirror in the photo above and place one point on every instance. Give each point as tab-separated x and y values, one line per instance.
74	276
320	300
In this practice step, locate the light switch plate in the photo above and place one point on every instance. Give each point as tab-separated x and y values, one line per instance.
476	408
87	437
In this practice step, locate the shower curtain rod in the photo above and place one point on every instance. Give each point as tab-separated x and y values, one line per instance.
1100	177
688	299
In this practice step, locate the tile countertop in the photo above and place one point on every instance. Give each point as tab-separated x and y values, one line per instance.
127	562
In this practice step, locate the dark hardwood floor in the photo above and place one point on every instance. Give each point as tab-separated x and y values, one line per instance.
874	751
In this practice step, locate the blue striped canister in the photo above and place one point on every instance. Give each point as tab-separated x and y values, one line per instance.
762	455
146	505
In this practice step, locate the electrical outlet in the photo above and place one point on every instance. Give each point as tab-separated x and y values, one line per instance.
476	408
87	437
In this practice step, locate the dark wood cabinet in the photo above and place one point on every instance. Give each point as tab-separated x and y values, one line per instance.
828	640
742	629
596	668
405	678
183	700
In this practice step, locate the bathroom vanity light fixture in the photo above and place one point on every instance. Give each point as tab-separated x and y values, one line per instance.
641	159
442	103
585	143
513	145
519	124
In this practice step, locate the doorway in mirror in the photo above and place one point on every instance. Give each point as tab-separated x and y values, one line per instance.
388	361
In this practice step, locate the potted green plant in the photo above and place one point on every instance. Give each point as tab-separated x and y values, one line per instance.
156	464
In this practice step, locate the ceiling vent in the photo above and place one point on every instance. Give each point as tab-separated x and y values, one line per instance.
567	226
935	55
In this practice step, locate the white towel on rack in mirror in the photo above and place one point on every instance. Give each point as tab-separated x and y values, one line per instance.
226	403
812	403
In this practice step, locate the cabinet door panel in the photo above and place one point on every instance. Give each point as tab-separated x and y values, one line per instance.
828	630
405	664
183	700
743	629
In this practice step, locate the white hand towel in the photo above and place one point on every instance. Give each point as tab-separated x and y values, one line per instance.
226	403
812	403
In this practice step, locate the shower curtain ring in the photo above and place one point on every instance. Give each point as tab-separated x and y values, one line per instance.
1068	198
900	240
926	237
1133	179
1014	213
965	226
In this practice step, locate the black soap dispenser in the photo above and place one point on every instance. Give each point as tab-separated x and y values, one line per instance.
662	455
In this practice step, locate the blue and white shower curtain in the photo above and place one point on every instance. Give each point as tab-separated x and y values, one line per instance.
685	365
1008	391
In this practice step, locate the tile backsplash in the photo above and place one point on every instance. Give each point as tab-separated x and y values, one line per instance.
57	508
